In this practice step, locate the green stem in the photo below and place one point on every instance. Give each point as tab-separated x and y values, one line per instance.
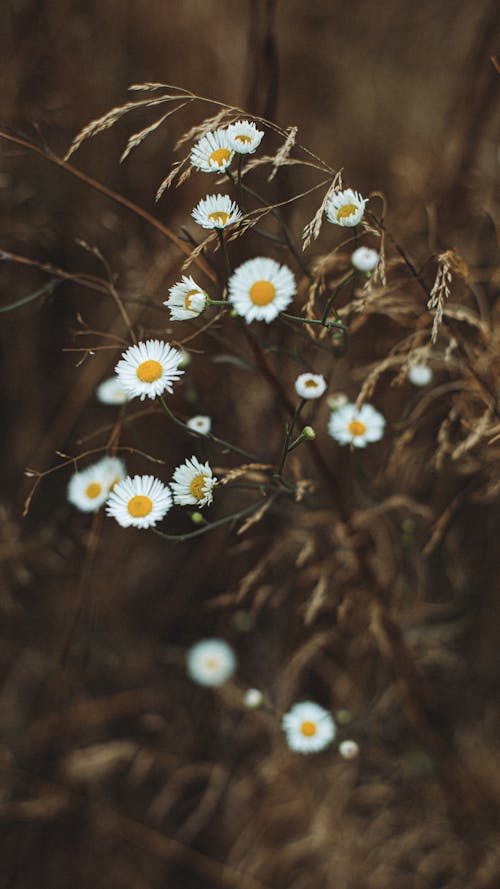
222	242
205	435
334	295
288	435
322	323
180	538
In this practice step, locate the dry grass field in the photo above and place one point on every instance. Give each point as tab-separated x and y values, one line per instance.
363	579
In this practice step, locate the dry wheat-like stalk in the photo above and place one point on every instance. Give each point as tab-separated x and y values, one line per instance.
283	153
313	227
441	289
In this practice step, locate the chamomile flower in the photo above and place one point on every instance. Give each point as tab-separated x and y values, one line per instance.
211	662
216	211
337	400
244	137
345	208
192	484
186	300
420	374
349	749
213	152
308	727
111	392
148	369
357	427
114	469
310	385
260	289
364	259
89	489
200	424
141	501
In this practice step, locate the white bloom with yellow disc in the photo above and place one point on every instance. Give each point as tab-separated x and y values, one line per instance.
148	369
244	137
347	425
260	289
141	501
310	385
308	727
89	489
200	423
213	152
192	484
211	662
216	211
345	208
186	300
111	392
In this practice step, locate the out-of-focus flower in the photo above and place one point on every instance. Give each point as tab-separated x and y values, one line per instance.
308	727
357	427
211	662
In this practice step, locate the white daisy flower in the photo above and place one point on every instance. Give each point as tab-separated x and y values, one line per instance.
336	400
192	484
345	208
141	501
349	749
309	727
310	385
350	426
149	369
111	392
364	259
89	489
186	300
211	662
420	374
244	137
213	152
216	211
200	424
253	698
260	289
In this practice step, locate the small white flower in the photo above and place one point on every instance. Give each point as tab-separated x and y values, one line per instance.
253	698
211	662
336	400
141	501
244	137
114	470
420	374
260	289
364	259
200	424
213	152
111	392
309	727
349	749
149	369
89	489
185	359
192	484
310	385
186	300
345	208
350	426
216	211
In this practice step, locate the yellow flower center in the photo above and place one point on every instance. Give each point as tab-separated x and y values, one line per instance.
211	663
93	490
346	210
311	384
308	728
197	485
262	293
219	217
356	427
242	138
149	371
114	482
220	156
187	300
140	506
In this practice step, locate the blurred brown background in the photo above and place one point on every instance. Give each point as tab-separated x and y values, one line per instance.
109	752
